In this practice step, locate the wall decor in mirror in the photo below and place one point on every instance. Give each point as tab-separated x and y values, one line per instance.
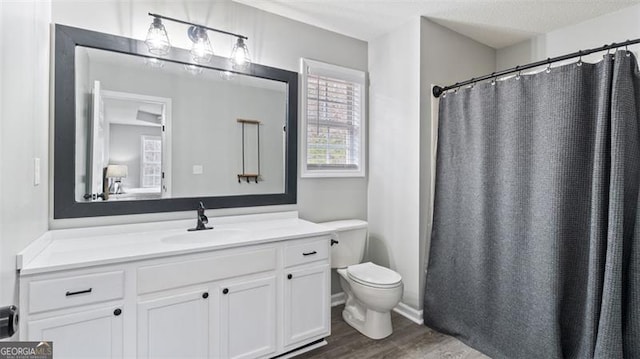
136	133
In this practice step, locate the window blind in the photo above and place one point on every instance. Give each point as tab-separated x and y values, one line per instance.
334	119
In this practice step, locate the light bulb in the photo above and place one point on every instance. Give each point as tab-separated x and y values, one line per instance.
226	75
201	50
153	62
193	69
157	39
240	55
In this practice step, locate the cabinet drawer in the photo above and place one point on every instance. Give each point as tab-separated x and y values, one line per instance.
73	291
218	266
306	251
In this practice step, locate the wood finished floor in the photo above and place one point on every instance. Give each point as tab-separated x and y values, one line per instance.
408	341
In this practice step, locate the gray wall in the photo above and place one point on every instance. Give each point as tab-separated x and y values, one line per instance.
204	130
24	123
446	57
273	41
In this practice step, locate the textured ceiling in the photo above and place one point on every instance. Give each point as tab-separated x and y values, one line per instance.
496	23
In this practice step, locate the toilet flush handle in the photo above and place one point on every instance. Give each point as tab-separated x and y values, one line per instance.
333	241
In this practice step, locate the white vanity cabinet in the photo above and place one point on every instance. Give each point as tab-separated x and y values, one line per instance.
82	313
307	291
247	318
175	325
96	333
260	299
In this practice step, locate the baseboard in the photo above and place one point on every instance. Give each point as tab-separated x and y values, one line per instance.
404	310
337	299
304	349
408	312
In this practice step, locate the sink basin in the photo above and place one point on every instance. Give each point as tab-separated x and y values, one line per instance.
205	236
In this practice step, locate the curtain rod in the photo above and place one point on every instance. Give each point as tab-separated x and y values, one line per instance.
437	90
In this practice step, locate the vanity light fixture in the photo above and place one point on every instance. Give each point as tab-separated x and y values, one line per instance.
226	75
201	50
154	62
157	39
240	55
193	69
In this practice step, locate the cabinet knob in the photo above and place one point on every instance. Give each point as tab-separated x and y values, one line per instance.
117	312
289	276
225	291
205	295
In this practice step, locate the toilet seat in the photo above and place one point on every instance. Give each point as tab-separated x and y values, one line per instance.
373	275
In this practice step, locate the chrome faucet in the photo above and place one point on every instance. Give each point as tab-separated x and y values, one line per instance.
202	219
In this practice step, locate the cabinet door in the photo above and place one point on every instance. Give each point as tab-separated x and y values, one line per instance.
307	307
91	334
175	326
248	318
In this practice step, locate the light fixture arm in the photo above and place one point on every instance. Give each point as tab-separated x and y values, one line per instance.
198	25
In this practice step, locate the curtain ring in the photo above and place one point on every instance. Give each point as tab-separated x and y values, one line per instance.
519	75
608	51
579	63
626	49
473	84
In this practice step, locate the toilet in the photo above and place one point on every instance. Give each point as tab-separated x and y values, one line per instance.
371	290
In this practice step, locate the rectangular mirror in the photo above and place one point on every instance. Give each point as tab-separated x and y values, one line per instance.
147	134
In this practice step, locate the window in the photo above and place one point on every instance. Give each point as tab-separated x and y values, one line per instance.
151	175
333	115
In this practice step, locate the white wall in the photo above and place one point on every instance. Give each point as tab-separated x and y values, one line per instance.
402	66
24	123
614	27
273	41
394	154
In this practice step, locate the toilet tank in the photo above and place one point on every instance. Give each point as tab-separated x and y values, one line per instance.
352	237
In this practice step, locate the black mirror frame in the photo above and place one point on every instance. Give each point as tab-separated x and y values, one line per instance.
64	122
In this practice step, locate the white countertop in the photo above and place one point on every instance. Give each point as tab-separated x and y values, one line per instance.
83	247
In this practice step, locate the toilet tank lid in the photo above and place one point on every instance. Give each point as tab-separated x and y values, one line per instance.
345	225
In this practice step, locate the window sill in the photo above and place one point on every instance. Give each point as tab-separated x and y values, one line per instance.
332	174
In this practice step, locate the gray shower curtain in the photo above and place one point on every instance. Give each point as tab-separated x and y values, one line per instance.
535	249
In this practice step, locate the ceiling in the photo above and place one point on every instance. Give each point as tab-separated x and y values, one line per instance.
496	23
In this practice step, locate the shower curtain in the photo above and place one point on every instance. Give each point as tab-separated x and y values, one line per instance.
535	248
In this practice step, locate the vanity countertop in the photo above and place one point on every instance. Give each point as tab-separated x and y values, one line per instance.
81	247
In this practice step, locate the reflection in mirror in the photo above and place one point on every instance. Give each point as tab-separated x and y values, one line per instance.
155	129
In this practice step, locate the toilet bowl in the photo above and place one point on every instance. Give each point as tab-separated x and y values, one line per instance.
370	298
371	291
